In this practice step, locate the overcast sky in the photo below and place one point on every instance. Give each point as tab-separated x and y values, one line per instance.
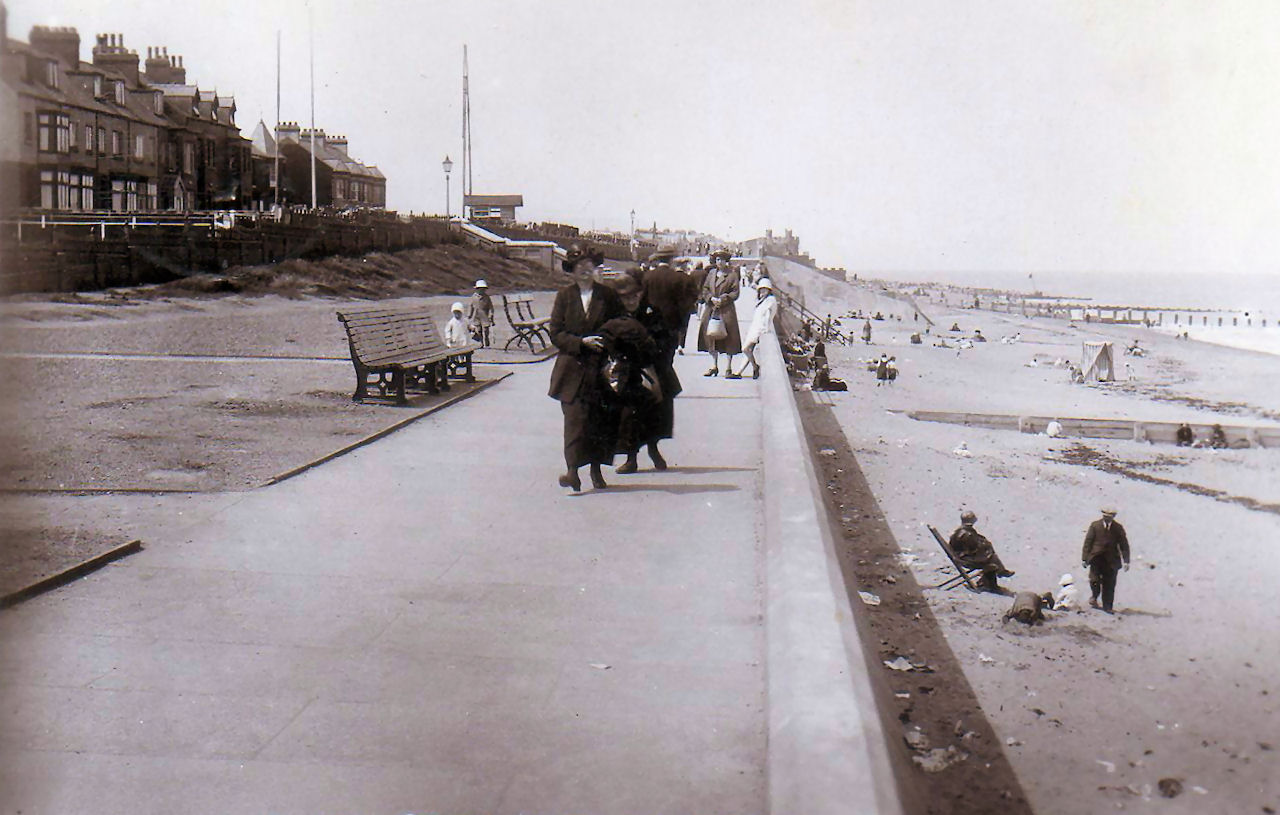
890	135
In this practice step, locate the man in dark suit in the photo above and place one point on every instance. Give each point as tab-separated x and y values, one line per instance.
673	295
1106	549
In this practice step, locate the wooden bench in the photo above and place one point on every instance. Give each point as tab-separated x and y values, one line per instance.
400	346
526	326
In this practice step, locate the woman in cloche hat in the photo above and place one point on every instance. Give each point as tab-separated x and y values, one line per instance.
590	424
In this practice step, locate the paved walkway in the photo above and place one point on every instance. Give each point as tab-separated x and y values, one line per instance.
429	625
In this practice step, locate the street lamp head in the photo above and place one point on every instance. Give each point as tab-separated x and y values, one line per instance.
447	165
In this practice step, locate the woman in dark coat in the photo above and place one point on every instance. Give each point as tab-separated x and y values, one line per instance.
720	293
590	420
647	397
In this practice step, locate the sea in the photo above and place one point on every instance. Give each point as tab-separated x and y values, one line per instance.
1247	306
1256	295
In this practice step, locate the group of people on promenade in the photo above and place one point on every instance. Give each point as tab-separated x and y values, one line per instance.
1104	553
618	334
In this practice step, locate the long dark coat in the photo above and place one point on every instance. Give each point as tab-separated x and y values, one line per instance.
672	294
577	369
590	415
646	341
725	285
1112	544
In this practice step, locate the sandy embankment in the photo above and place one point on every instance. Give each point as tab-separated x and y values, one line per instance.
1094	710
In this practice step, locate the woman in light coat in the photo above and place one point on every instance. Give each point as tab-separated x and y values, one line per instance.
761	324
719	294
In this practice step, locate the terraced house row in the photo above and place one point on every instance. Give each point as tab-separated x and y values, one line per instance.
122	137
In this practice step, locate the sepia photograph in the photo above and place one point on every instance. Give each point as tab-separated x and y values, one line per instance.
828	407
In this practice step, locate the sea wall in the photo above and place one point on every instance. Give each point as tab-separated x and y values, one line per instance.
84	256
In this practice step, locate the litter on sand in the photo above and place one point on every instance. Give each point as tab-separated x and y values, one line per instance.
985	659
600	666
962	450
899	664
1169	787
939	759
869	598
827	451
1109	765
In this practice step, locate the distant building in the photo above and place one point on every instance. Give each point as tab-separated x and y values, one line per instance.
492	207
341	181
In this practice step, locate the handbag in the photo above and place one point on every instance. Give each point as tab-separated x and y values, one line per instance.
716	329
615	371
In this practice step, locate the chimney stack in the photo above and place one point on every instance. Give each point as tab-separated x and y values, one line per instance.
163	69
111	54
338	143
62	42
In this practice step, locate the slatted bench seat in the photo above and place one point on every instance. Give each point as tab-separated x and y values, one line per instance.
400	346
526	327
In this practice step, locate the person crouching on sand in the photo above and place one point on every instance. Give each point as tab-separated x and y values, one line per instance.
976	552
761	324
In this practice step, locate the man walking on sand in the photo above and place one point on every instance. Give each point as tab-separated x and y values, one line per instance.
1106	549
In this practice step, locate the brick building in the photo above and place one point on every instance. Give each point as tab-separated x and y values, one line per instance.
118	136
341	181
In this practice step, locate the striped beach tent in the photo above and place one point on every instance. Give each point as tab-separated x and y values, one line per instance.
1098	363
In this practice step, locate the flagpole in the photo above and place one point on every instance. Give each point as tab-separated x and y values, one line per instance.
276	140
312	35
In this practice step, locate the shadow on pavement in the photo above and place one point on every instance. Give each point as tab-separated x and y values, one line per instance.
674	489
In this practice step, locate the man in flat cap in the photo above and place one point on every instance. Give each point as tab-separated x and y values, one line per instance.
974	551
1106	550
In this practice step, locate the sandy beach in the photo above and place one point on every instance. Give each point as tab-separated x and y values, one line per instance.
1093	711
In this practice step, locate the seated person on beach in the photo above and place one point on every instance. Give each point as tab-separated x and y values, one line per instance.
955	327
1186	436
1217	438
824	381
456	334
977	335
976	552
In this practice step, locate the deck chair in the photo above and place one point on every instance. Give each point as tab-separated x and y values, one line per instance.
963	576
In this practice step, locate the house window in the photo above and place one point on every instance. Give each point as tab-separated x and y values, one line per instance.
55	133
88	138
97	87
120	93
189	158
159	103
51	73
71	132
86	191
117	195
139	146
55	189
102	141
117	148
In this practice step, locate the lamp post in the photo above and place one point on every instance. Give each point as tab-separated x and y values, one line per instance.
448	168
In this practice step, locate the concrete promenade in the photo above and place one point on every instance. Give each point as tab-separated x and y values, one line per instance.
431	625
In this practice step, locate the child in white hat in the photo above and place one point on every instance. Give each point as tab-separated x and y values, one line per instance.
455	331
480	314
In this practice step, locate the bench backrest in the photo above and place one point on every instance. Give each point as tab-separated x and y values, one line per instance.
381	334
524	308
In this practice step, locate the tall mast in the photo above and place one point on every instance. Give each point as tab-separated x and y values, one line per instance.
466	131
276	140
312	32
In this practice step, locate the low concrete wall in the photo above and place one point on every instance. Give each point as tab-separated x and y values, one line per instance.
827	750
